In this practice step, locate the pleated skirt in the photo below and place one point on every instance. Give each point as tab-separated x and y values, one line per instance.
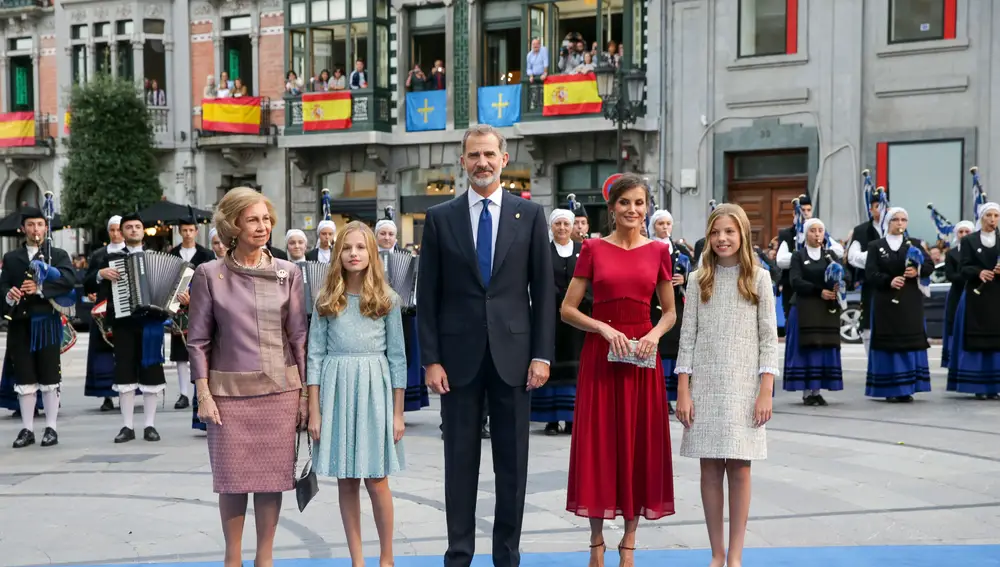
976	372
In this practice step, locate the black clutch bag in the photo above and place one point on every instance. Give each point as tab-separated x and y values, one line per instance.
306	484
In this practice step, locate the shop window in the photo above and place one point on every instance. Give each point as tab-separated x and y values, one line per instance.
351	185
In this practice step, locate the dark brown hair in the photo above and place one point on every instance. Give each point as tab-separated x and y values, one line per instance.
626	182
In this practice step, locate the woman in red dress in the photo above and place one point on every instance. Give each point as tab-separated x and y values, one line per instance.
620	461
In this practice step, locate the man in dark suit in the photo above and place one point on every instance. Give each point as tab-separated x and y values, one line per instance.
487	325
196	254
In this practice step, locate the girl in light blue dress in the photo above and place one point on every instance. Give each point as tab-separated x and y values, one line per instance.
356	375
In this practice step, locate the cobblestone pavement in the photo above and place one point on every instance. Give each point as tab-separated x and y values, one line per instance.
842	482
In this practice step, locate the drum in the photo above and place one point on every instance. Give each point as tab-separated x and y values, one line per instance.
69	335
98	315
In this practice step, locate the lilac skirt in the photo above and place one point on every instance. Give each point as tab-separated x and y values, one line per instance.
254	448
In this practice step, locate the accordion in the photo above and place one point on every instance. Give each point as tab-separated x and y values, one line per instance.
401	273
148	284
313	276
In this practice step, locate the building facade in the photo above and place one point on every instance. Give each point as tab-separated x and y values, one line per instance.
370	160
769	98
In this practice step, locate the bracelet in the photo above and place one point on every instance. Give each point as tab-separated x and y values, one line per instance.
206	396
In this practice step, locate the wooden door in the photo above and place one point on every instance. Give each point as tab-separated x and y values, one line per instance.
768	204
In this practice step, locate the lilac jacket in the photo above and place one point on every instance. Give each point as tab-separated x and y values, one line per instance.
247	328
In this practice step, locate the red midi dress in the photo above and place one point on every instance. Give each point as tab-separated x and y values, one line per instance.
620	459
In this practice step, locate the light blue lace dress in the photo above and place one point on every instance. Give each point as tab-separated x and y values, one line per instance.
357	362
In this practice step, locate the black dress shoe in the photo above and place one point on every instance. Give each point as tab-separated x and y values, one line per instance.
108	405
819	400
993	396
50	437
568	430
150	434
810	400
24	438
980	396
552	429
125	435
182	402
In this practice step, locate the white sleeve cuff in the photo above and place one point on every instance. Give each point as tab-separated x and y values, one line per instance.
770	370
683	370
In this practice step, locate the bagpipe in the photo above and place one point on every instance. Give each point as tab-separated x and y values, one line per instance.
682	267
799	221
833	276
39	272
326	203
915	259
944	227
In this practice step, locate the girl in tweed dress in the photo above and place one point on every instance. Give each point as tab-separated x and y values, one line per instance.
726	367
356	374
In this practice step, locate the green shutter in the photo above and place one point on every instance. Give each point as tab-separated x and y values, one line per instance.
234	64
21	86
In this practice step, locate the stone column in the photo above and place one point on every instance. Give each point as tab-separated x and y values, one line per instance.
5	96
36	79
91	61
217	44
138	62
255	60
168	60
114	58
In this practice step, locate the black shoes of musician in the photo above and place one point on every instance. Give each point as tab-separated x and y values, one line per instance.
24	438
108	405
900	400
50	437
125	435
568	429
552	429
150	434
182	402
993	396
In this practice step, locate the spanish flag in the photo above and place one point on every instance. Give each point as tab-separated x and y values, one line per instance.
17	129
571	94
326	111
239	115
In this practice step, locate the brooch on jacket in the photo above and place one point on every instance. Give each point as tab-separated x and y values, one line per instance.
282	274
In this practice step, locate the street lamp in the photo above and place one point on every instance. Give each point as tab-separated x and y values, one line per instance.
621	92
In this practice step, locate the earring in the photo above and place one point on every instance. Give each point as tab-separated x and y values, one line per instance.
232	243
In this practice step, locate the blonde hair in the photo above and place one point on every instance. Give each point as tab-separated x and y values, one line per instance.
376	295
229	209
706	273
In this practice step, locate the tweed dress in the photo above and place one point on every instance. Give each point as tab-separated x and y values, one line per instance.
726	344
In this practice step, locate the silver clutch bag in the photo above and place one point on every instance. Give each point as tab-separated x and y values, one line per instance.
632	358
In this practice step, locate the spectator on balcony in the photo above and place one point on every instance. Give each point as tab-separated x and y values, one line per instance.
155	95
322	83
225	86
587	66
338	82
239	89
358	79
438	80
538	62
416	80
612	55
211	91
293	85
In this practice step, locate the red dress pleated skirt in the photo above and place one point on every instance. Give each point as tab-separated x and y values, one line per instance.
620	461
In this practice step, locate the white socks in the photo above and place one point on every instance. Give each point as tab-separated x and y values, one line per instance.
149	407
127	402
183	378
50	401
27	402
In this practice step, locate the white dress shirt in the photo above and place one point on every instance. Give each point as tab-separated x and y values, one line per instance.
784	256
988	239
188	253
112	248
855	255
564	250
323	255
476	209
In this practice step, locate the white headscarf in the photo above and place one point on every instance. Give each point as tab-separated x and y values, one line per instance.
895	211
117	219
385	223
294	232
813	221
991	206
557	214
660	214
959	225
326	224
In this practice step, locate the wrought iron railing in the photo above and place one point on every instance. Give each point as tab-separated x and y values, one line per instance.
370	110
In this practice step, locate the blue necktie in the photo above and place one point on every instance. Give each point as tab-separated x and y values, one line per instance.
484	243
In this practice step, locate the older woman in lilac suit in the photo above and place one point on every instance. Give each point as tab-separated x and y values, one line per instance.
246	340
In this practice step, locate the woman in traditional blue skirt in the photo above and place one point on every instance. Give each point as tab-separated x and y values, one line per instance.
554	402
953	273
812	331
975	344
897	360
663	225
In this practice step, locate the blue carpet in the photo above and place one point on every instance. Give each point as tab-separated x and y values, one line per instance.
874	556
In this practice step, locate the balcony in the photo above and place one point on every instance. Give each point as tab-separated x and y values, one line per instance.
243	122
159	117
337	112
582	115
15	7
25	136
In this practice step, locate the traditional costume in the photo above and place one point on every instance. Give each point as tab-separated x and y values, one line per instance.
288	235
138	348
790	240
857	251
35	332
812	331
897	360
974	366
670	342
318	254
194	255
555	401
953	273
100	354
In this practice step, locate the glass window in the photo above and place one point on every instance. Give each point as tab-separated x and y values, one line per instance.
427	18
762	27
500	11
102	29
338	9
154	61
359	45
124	27
382	9
359	9
927	172
320	11
80	31
351	185
126	58
297	13
382	45
424	182
237	23
20	44
329	49
102	51
79	64
756	165
22	95
155	27
916	20
297	48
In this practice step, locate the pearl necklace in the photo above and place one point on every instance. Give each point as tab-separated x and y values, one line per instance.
260	263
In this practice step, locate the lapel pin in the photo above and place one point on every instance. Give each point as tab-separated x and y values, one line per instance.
806	262
979	250
220	275
517	215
